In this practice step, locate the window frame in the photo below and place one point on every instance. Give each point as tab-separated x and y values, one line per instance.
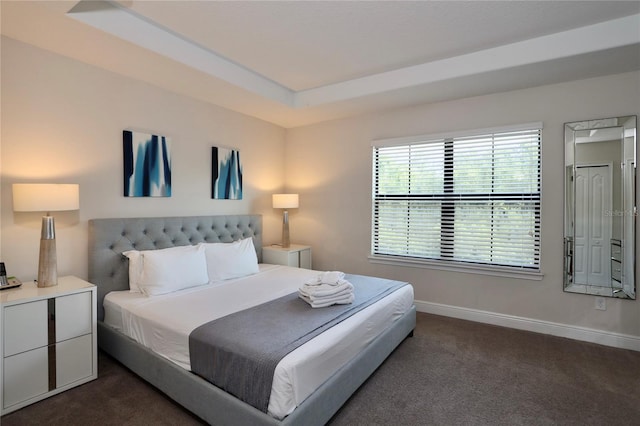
453	265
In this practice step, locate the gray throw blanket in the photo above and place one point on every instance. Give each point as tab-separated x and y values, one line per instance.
239	352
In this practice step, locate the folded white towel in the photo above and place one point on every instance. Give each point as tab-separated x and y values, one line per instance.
342	300
326	289
321	290
328	277
315	297
331	277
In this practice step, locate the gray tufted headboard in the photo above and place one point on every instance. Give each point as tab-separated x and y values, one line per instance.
108	238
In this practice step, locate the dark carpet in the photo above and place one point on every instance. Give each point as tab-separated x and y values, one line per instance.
452	372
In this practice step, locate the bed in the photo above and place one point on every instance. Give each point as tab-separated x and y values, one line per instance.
109	270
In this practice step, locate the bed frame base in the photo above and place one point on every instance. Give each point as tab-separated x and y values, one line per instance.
108	269
217	407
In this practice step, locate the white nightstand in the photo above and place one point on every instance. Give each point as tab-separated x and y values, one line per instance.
49	340
294	255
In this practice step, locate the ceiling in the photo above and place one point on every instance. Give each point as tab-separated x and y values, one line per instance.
294	63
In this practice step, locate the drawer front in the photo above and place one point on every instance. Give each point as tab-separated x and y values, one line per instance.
305	259
26	375
74	360
275	257
73	315
25	327
293	259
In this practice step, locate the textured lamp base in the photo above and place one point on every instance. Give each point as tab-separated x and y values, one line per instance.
47	265
286	242
48	262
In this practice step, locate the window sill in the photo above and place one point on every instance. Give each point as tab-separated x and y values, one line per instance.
457	267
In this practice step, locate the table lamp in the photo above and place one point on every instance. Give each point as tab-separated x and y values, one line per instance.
46	197
285	201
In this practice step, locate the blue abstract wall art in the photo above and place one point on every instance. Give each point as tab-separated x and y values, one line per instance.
226	174
147	165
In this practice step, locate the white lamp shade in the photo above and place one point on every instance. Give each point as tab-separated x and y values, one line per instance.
285	201
45	197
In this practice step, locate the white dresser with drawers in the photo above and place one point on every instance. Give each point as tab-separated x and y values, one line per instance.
49	340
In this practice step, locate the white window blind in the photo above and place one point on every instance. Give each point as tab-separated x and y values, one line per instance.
473	199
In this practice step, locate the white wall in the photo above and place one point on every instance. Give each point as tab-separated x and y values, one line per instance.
62	122
330	165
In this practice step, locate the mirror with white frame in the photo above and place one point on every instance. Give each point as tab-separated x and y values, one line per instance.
600	207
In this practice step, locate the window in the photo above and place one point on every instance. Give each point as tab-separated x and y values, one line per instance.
470	199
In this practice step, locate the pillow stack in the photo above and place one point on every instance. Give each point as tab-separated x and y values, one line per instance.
155	272
328	288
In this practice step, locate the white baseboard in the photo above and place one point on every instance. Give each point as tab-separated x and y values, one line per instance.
623	341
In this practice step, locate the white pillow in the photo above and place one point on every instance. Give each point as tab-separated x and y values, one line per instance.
135	269
231	260
172	269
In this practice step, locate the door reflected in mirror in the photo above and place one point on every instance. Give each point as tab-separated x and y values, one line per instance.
600	207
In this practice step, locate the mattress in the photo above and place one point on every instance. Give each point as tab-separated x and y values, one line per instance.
163	324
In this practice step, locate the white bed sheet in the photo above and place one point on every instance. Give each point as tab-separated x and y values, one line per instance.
163	323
